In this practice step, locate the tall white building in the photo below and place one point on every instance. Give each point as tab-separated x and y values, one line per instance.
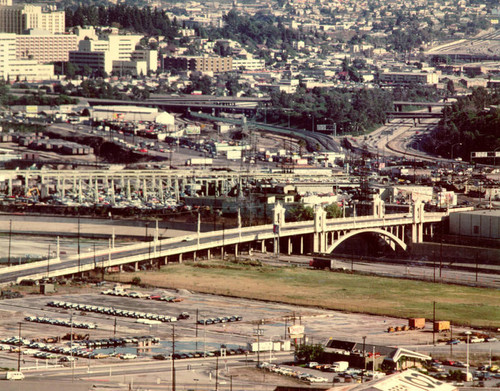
114	53
14	68
7	53
22	17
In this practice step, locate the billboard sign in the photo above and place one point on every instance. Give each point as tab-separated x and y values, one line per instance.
192	129
296	331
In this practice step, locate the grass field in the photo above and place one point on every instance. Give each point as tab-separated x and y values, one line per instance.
340	291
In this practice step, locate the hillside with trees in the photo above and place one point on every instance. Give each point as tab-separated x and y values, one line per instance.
147	20
469	125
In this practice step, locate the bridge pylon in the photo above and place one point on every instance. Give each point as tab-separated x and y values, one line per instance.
319	244
417	228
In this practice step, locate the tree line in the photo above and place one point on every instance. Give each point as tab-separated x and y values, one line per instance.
471	124
147	20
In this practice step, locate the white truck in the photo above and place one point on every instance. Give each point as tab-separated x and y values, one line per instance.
11	375
199	161
340	366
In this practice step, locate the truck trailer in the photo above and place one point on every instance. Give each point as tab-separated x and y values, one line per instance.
416	323
442	326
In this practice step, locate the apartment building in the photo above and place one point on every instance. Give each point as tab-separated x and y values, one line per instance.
20	18
409	78
45	47
203	64
249	64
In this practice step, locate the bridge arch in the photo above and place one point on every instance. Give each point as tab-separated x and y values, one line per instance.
379	231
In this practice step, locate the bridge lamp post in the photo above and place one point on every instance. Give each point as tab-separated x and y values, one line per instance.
453	146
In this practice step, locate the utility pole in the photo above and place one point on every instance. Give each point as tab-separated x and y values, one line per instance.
364	357
78	243
10	241
196	324
19	353
48	263
216	373
173	357
434	323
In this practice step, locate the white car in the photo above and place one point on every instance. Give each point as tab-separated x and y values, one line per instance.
128	356
476	340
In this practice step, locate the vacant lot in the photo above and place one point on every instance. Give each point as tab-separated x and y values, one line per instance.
341	291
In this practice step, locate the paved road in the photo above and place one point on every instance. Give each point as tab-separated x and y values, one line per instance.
407	268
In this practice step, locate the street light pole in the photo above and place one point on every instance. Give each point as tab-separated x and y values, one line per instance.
453	146
495	156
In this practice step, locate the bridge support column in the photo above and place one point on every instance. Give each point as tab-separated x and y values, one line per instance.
319	229
289	246
301	244
209	255
417	226
180	258
136	266
263	247
194	256
236	250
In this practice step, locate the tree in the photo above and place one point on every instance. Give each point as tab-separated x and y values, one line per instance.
300	213
450	87
232	86
308	353
333	211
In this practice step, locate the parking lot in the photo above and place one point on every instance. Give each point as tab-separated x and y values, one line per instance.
137	324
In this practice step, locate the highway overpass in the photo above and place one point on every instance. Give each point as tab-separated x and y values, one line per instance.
320	235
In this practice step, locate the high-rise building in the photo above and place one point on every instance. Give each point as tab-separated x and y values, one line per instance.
20	18
45	47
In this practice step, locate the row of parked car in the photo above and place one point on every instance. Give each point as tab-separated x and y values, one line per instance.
114	311
222	319
60	322
67	353
213	353
295	373
473	339
139	295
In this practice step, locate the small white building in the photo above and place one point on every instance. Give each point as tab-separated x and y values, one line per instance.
478	223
